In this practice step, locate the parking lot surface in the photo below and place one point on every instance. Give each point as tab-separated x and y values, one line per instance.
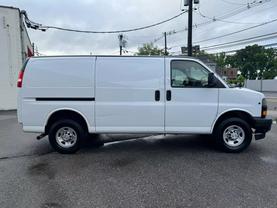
153	171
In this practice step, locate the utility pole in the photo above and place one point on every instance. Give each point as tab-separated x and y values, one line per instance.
120	37
122	43
190	28
189	3
165	45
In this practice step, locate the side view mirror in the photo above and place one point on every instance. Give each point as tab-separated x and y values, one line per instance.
211	80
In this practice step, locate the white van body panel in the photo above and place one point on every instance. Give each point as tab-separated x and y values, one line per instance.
125	91
117	95
60	77
240	99
54	78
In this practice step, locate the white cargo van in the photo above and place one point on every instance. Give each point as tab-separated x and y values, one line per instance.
70	97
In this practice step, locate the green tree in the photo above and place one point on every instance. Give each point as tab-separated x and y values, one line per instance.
149	49
255	62
220	59
239	81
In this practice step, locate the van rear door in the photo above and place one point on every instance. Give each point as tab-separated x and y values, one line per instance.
129	94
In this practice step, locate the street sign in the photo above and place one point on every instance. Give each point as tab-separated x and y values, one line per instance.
195	49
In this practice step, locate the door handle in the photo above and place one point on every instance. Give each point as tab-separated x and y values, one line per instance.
168	95
157	95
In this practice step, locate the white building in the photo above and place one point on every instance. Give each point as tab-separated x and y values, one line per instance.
15	47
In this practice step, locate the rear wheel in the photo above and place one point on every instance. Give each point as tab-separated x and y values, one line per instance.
65	136
233	135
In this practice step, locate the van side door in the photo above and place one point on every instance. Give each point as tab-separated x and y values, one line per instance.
191	105
129	94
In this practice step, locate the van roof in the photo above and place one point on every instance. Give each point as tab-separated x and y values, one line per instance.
155	56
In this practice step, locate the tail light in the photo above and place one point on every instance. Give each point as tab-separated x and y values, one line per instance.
21	74
20	78
264	108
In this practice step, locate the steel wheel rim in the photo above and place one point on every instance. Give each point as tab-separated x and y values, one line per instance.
66	137
233	136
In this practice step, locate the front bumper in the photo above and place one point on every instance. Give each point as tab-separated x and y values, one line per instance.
261	126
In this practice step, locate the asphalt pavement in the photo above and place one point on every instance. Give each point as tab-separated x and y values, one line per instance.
152	171
272	104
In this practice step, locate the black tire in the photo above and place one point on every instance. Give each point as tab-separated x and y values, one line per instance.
65	123
219	132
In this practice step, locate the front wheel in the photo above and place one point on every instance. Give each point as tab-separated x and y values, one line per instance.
233	135
65	136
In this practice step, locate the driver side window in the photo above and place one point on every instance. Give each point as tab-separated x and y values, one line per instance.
188	74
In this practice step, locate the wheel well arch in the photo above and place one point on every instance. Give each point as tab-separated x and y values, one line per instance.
246	116
66	114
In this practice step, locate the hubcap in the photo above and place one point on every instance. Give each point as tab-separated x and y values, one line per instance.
233	135
66	137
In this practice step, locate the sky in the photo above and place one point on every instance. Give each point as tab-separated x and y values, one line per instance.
106	15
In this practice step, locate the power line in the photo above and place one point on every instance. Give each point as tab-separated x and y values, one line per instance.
225	16
235	12
162	36
229	2
262	9
157	39
41	27
232	33
235	50
222	20
238	31
271	45
238	42
250	39
242	43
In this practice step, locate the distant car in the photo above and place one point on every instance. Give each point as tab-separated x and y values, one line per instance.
67	98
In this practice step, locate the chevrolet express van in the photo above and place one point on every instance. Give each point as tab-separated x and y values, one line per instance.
69	97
